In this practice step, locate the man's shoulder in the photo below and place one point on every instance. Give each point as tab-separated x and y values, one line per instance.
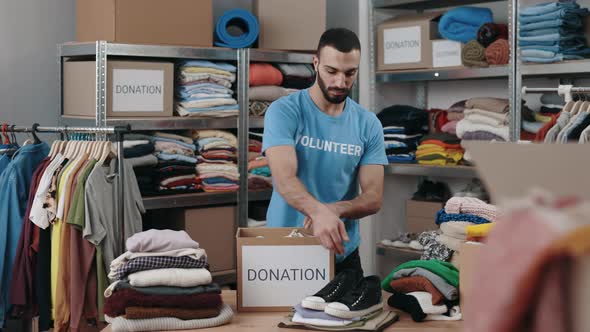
362	112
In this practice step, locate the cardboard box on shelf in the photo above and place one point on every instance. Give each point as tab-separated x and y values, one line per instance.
290	25
212	227
134	88
178	22
405	42
446	53
270	263
420	215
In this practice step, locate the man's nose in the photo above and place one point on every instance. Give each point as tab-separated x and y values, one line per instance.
340	81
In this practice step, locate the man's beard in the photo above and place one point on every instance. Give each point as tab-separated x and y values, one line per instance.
326	92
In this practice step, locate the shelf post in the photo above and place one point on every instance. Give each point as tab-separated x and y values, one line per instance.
243	127
514	76
101	83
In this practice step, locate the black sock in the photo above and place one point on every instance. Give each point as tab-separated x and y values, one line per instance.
408	304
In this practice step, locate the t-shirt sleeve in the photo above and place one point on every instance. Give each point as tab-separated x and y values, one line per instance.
280	125
374	152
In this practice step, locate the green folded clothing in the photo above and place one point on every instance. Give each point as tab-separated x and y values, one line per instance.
444	270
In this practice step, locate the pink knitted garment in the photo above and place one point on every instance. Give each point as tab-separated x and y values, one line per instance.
519	287
450	127
472	205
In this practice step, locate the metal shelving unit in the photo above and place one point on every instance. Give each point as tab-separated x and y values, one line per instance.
384	250
423	4
101	51
200	199
428	170
441	74
568	68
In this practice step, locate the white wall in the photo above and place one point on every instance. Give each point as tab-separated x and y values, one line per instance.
29	33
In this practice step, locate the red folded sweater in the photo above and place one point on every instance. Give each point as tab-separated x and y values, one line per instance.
115	304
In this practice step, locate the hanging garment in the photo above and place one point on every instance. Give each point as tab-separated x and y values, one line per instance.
15	183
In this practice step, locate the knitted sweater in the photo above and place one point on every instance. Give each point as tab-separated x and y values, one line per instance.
443	269
471	205
443	216
121	324
465	126
115	305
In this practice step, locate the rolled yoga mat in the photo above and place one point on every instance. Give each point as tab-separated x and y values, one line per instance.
236	28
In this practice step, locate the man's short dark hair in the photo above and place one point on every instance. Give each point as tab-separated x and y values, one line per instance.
341	39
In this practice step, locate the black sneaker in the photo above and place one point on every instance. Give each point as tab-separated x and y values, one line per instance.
364	299
333	291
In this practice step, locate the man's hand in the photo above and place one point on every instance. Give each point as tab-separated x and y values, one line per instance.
328	227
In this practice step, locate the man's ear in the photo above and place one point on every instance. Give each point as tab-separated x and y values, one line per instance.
316	63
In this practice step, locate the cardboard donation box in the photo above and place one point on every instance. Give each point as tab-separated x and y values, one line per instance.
420	215
134	88
275	272
405	42
177	22
446	53
290	25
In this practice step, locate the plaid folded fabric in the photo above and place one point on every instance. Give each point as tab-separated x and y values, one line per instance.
157	262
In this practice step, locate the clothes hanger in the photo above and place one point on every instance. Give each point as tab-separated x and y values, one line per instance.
106	151
36	139
6	138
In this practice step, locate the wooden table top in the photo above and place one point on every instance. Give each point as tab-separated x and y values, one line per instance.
268	321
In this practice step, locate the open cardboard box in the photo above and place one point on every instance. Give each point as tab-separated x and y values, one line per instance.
270	263
510	171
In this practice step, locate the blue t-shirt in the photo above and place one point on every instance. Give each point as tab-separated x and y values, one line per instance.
330	150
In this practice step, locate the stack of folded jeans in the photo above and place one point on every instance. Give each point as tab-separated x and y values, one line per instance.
552	32
403	127
204	89
217	170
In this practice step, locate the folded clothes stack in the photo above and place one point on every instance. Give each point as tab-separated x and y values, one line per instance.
348	302
455	113
403	127
437	118
552	32
439	149
265	87
425	289
204	89
217	170
176	154
136	150
162	282
259	175
486	119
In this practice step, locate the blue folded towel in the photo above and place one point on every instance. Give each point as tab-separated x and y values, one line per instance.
462	23
208	64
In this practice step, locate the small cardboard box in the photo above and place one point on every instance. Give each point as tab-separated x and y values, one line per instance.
405	42
290	25
173	22
420	216
446	53
468	260
134	88
269	263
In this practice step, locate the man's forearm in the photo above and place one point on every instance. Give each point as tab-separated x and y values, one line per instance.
365	204
296	195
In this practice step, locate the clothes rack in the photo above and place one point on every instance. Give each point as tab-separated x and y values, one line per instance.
118	131
563	90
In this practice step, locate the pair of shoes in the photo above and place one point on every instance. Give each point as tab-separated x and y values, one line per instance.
403	240
348	296
474	189
432	192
